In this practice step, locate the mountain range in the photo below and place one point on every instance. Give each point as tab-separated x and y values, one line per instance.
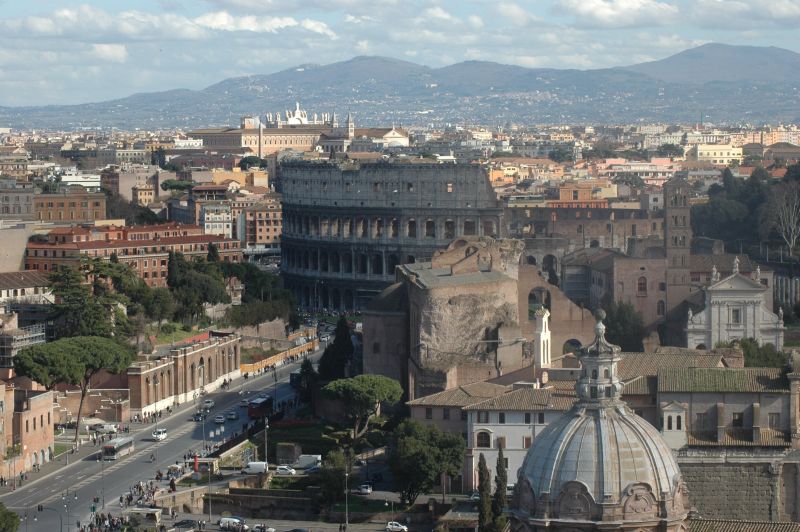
722	83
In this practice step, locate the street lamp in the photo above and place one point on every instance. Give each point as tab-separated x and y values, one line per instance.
274	389
266	428
346	499
65	497
103	477
156	382
208	471
387	504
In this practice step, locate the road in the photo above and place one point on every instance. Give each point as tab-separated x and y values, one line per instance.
89	478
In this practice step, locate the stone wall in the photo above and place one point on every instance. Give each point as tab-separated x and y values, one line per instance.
740	490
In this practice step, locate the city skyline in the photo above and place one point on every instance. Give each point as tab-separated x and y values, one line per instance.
59	53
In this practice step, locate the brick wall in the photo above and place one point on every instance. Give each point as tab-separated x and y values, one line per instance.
731	490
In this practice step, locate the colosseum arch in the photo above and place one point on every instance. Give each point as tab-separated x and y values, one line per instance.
539	297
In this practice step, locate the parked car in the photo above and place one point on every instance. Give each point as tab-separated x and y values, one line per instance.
189	524
313	470
476	496
244	402
105	428
160	434
199	416
208	404
219	418
364	489
285	470
232	415
262	528
394	526
255	467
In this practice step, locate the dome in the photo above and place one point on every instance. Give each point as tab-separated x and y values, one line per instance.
600	462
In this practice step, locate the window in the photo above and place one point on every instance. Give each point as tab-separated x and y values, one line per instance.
527	418
641	286
429	413
540	418
501	442
445	413
738	419
449	187
501	417
483	440
774	420
662	287
463	415
526	442
678	423
661	308
483	417
736	316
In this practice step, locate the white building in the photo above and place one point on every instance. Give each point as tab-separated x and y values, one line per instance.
217	219
510	421
735	308
91	182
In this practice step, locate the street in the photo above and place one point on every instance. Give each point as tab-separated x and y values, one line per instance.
68	493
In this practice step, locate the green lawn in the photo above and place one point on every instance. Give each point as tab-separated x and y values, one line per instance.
313	439
298	483
251	355
167	338
61	448
359	504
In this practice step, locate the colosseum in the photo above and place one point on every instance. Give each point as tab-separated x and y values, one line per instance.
347	225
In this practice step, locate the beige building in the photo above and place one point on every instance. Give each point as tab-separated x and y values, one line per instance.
143	194
720	154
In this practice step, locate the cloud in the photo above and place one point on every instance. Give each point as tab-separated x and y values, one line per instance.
735	14
115	53
438	13
475	21
515	14
223	21
318	27
618	13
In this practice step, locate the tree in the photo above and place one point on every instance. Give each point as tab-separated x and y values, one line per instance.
792	173
251	160
213	253
9	521
758	356
761	174
624	326
362	397
485	491
669	150
159	157
308	380
420	454
500	485
73	361
560	155
160	304
176	184
338	354
331	476
76	311
785	210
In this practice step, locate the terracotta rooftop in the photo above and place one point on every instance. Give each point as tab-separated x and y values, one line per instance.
738	437
723	380
24	279
461	396
527	398
735	525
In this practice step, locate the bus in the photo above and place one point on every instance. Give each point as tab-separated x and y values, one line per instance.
260	407
117	448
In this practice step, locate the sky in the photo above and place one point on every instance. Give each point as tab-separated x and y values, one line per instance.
68	51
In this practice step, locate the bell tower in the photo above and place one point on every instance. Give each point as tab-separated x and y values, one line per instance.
677	240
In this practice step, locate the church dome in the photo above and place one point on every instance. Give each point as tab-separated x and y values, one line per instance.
600	462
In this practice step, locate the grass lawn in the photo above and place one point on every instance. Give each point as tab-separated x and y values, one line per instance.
189	481
251	355
61	448
298	483
359	504
167	338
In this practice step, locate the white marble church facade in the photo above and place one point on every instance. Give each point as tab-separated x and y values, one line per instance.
735	308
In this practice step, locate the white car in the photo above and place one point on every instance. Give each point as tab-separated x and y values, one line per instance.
262	528
219	418
364	489
208	404
394	526
160	434
285	470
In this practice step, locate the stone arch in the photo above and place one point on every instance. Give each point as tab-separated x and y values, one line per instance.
210	370
147	391
571	346
335	262
550	268
377	264
362	263
394	261
594	243
530	259
323	261
483	439
192	377
538	298
701	346
347	263
201	372
43	456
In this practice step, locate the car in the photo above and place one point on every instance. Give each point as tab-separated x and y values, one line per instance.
262	528
105	428
233	415
361	462
244	403
199	416
208	403
313	470
364	489
219	418
263	395
285	470
476	496
187	523
160	434
325	338
394	526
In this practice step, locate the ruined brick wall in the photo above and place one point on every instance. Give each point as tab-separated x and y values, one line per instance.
731	490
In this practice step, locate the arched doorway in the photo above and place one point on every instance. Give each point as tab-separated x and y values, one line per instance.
538	298
550	268
571	346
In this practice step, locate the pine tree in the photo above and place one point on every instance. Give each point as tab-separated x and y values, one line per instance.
485	491
499	500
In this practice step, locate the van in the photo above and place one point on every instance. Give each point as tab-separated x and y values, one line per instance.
232	523
253	468
105	428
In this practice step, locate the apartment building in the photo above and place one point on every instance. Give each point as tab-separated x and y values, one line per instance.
260	225
71	205
145	249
